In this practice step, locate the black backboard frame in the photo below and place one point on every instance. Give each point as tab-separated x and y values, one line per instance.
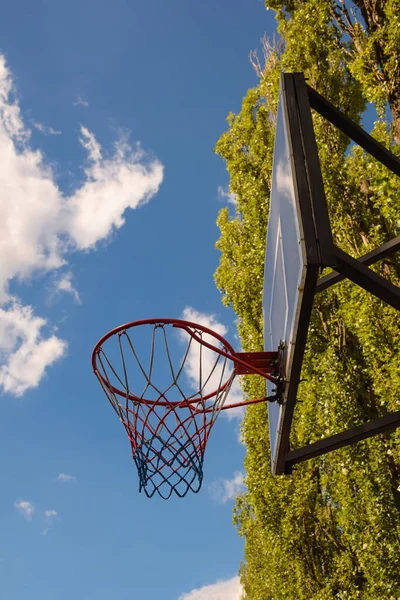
300	98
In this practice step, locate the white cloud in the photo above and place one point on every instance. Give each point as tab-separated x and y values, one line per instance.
223	490
26	508
208	360
90	144
24	352
230	589
64	478
112	186
51	518
235	396
64	284
45	129
80	102
39	225
208	356
227	196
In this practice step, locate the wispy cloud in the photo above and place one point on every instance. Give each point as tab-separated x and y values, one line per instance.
208	356
208	360
64	284
51	518
64	478
230	589
25	508
40	225
80	102
235	395
223	490
51	514
226	196
90	144
26	351
45	129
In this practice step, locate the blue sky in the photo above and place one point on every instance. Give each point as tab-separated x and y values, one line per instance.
108	200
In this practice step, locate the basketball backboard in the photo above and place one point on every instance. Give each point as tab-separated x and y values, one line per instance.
299	245
292	262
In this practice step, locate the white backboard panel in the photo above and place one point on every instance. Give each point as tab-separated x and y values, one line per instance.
285	269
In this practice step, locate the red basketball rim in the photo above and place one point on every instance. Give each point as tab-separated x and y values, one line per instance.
179	323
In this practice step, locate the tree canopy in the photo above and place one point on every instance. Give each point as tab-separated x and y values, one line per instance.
332	529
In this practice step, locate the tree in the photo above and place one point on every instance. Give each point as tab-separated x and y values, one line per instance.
369	33
332	529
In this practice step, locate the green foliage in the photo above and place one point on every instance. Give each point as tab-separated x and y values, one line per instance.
332	529
247	147
364	35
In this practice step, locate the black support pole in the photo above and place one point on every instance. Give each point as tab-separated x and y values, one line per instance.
366	430
367	259
353	131
367	279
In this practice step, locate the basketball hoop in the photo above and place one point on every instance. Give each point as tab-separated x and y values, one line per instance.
183	392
